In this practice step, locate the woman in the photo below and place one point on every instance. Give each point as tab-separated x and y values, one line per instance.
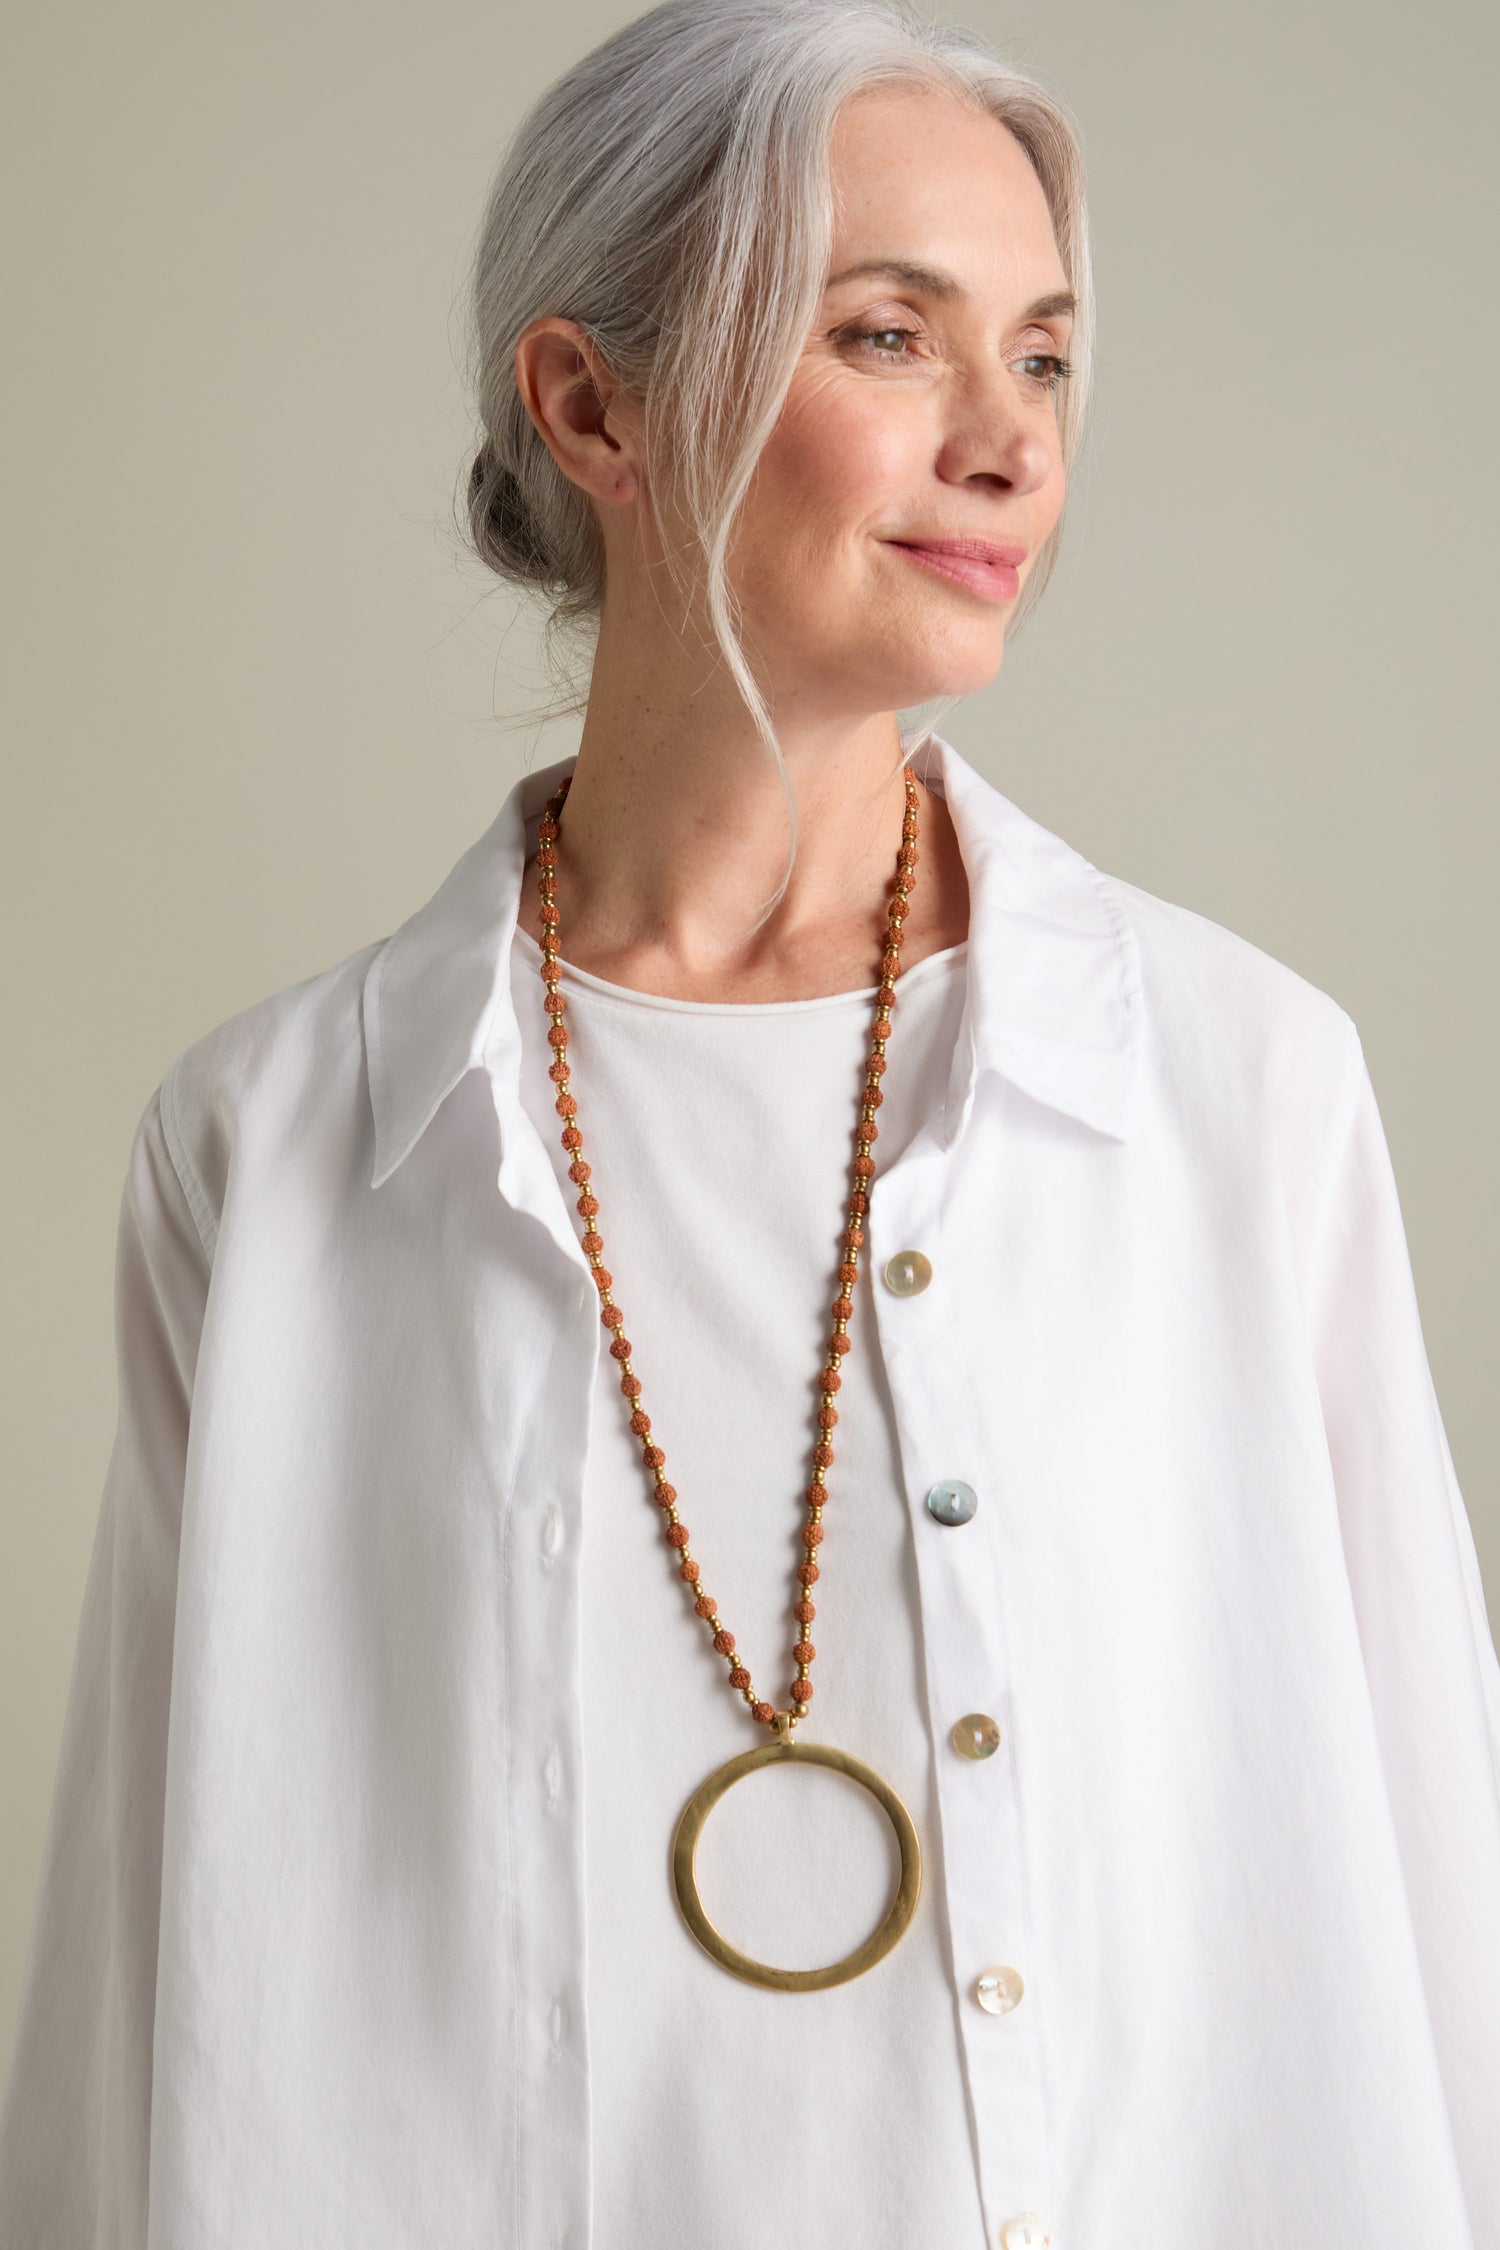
1020	1327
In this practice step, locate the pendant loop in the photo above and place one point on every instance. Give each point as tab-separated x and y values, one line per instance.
684	1874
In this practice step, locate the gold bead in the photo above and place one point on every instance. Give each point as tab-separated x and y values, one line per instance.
786	1721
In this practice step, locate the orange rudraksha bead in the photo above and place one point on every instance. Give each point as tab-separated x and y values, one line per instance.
851	1238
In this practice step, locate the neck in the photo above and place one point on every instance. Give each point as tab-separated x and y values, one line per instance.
675	834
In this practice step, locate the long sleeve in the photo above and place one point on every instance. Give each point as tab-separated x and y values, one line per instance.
76	2118
1427	1645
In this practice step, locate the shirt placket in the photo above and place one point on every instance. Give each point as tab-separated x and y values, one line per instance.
924	1314
542	1592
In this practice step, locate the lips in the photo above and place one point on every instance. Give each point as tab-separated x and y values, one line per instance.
972	550
984	566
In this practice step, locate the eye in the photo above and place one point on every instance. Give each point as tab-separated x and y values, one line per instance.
1061	369
889	344
873	338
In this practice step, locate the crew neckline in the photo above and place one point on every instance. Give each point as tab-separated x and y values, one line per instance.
921	972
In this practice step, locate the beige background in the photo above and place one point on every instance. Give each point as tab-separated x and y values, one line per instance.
254	694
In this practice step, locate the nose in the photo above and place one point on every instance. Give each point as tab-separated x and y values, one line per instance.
995	434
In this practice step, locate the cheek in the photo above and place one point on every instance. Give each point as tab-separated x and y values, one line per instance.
838	462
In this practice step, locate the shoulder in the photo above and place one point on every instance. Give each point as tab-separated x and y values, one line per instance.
1202	978
287	1072
1240	1046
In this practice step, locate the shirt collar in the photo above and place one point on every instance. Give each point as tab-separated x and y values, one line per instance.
1053	1000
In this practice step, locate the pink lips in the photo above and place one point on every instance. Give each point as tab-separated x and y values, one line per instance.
987	566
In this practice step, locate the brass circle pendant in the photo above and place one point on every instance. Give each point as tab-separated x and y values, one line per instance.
684	1875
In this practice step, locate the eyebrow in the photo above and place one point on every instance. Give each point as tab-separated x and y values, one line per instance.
934	281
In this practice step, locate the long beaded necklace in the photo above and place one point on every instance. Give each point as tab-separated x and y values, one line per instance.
786	1747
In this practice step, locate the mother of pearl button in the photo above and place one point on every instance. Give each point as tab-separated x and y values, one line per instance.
998	1990
975	1735
908	1272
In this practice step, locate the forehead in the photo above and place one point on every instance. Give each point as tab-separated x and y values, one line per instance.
922	175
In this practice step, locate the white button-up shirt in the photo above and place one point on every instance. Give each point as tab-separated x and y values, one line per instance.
1223	1919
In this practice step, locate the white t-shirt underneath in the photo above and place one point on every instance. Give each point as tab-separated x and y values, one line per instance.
726	2115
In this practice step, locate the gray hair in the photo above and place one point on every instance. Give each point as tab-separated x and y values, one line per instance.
671	193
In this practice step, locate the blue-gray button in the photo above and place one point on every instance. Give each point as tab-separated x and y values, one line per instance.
952	1502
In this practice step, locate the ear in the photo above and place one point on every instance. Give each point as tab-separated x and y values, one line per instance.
586	420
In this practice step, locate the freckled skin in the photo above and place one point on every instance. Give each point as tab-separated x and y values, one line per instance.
958	440
676	830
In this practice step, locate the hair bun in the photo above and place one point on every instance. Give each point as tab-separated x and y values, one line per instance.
504	528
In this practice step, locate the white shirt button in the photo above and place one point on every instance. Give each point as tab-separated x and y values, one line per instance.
998	1990
975	1735
908	1272
1028	2230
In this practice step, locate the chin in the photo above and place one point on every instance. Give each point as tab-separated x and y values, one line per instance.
936	672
